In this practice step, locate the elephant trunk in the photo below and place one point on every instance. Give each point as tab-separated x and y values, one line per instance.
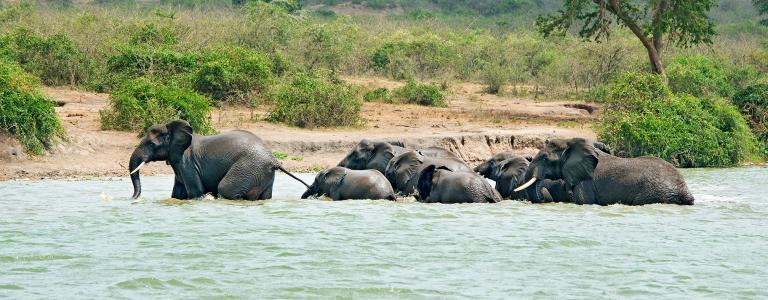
134	164
309	192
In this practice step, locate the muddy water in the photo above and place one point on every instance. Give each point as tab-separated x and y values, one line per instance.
85	239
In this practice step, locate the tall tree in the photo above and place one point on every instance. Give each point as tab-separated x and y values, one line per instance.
762	7
653	22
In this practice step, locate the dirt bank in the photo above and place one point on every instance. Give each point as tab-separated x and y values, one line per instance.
474	126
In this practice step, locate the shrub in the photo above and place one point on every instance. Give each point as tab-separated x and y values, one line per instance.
379	94
138	104
642	116
494	78
698	76
311	101
161	64
25	112
54	59
230	72
421	94
753	103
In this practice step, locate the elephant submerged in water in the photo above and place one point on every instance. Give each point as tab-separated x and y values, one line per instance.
234	165
403	170
442	185
341	183
510	171
595	177
372	155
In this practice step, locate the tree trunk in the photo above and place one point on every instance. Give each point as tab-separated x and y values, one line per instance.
654	53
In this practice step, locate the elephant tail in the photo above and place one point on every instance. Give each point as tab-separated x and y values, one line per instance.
292	176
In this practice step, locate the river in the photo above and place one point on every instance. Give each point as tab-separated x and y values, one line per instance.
86	240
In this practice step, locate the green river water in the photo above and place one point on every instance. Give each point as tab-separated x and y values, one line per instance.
86	240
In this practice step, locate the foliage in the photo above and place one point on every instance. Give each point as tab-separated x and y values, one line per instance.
379	94
54	59
310	100
684	23
425	56
421	94
25	112
762	7
753	102
643	117
139	103
699	76
232	72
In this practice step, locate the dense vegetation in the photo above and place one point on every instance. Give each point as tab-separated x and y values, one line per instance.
288	55
25	112
647	118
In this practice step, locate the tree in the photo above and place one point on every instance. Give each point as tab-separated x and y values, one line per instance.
762	7
682	22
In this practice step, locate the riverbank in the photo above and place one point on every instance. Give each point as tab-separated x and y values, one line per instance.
474	126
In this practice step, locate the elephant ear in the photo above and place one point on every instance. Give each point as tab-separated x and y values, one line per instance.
424	186
579	161
514	167
334	177
385	149
180	138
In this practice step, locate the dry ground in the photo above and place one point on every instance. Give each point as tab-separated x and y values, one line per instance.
471	125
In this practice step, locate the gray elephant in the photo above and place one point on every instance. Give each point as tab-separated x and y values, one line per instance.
403	170
441	185
510	171
341	183
372	155
233	165
595	177
438	152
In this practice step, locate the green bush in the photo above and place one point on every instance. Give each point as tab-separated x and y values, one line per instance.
311	101
379	94
138	104
494	78
753	103
54	59
160	64
25	112
421	94
699	76
641	116
231	72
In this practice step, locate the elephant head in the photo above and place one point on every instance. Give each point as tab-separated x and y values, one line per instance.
571	160
373	155
161	143
403	168
489	168
324	181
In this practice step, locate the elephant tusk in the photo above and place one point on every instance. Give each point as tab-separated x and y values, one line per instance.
139	167
526	185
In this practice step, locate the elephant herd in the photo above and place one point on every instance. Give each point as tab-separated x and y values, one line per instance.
237	165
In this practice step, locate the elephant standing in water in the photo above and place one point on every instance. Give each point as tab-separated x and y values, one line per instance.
341	183
233	165
403	171
510	171
372	155
595	177
441	185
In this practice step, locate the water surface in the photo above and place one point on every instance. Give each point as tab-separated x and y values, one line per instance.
86	239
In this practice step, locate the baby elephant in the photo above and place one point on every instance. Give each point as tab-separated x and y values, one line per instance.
341	183
441	185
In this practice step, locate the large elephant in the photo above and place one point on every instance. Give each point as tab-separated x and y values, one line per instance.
595	177
441	185
233	165
341	183
403	170
372	155
510	171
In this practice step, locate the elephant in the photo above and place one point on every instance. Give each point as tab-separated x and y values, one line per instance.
341	183
441	185
510	171
233	165
595	177
404	169
372	155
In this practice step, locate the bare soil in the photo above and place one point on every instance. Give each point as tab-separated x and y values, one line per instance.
475	126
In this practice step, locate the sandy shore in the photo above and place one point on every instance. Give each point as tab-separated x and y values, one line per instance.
474	126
